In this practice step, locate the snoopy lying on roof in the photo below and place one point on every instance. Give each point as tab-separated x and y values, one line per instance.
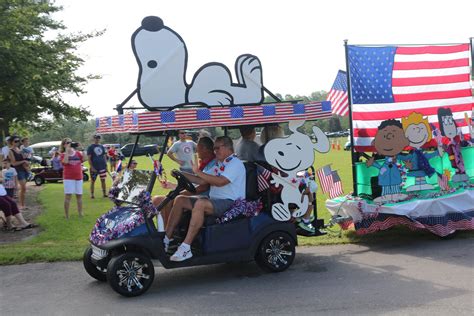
162	58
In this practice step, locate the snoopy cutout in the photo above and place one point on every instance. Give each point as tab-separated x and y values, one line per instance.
291	155
162	59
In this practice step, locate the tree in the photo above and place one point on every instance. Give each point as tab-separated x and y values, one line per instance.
35	70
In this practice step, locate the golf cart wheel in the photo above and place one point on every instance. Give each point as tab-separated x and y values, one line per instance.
276	252
130	274
38	180
91	268
85	177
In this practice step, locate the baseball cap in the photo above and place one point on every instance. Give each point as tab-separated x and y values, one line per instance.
7	138
97	136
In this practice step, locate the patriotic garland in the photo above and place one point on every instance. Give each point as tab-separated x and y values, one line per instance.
220	166
241	207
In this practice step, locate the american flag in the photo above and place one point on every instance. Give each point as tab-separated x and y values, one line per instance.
443	181
329	181
263	177
158	167
392	81
338	95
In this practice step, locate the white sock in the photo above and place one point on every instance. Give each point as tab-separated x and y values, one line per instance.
306	221
166	240
185	246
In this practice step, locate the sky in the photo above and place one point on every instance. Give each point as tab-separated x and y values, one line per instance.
299	43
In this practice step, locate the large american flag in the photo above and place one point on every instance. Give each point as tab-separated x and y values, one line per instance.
338	95
393	81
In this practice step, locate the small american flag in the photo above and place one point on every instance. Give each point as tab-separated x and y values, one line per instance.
324	175
443	181
338	95
329	181
336	188
263	175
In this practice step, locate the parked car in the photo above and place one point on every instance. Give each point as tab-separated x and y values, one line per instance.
140	151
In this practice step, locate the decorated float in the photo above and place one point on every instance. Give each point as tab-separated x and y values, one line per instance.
410	110
263	226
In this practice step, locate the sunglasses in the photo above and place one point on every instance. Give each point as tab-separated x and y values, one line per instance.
134	163
16	141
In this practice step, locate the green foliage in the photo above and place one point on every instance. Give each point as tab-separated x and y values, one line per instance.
36	69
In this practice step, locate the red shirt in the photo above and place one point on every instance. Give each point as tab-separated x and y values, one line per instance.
112	153
73	169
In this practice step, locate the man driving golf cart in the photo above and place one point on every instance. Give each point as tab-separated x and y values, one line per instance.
227	184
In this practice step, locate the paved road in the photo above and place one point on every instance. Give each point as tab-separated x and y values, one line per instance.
419	278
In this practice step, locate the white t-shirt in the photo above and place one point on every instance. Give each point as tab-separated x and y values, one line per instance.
3	192
5	151
234	171
184	151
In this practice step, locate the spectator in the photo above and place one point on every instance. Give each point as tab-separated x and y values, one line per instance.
27	153
10	179
205	151
72	175
133	165
227	184
20	164
112	154
268	133
6	148
182	152
247	148
10	209
98	163
56	162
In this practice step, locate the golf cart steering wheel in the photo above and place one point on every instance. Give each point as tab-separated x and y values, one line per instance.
183	182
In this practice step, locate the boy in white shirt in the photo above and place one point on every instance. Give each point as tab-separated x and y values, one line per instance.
10	180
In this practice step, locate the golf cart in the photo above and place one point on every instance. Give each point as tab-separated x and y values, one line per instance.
48	174
125	240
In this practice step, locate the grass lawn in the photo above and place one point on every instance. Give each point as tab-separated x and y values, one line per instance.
62	239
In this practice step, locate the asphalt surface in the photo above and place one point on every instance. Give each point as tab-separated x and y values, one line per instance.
419	278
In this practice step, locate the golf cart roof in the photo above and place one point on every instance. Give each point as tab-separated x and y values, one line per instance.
46	144
188	118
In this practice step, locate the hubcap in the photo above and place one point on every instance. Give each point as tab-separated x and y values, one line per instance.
278	252
133	274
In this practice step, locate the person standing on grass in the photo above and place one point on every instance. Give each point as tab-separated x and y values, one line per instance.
182	152
97	157
72	175
21	165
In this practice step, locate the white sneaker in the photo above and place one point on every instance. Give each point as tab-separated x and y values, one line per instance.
181	254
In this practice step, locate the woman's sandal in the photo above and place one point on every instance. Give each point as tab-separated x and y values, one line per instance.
17	229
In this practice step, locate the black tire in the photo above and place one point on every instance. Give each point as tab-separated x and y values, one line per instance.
85	177
38	180
276	252
92	268
130	274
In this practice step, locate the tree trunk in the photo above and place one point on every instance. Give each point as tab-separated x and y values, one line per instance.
4	127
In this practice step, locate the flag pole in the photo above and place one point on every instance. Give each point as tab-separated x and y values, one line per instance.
354	155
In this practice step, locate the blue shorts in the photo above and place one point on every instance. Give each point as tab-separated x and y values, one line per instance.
22	175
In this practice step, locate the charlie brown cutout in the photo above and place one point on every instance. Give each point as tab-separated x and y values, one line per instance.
389	142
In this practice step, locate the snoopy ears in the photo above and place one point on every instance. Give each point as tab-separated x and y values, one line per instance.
322	141
293	125
152	23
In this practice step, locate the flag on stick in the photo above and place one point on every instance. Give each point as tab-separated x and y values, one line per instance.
329	181
263	177
118	167
338	95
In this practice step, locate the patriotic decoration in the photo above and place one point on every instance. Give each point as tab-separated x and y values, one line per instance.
157	167
118	167
391	81
338	95
263	177
186	118
443	180
330	181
